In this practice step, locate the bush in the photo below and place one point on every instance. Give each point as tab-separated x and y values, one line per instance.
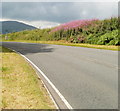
109	38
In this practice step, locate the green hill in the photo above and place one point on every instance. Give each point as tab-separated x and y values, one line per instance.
100	32
14	26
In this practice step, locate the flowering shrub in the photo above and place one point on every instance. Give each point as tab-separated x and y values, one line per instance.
78	39
85	31
74	25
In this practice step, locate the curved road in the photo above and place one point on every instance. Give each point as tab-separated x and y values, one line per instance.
86	77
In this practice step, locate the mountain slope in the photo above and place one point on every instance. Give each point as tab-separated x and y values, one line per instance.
14	26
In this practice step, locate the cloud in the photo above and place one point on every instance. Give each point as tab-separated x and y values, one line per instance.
43	24
57	12
60	0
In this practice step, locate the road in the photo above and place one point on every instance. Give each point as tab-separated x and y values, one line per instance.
86	77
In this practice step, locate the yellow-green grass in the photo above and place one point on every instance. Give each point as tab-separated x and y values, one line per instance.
62	42
0	78
21	88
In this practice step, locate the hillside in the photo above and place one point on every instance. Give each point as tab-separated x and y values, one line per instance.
14	26
94	31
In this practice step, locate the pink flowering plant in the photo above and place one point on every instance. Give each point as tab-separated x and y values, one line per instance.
85	31
74	25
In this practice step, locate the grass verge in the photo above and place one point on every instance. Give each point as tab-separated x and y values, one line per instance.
106	47
21	88
0	78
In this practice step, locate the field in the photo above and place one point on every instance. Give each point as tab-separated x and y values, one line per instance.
21	88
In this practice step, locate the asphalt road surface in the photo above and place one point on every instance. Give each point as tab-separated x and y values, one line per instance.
86	77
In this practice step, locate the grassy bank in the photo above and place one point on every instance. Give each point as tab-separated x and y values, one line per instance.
93	31
21	89
106	47
0	78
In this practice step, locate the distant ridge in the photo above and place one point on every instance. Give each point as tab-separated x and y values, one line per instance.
14	26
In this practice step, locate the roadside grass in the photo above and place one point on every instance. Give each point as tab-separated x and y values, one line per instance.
0	78
21	88
62	42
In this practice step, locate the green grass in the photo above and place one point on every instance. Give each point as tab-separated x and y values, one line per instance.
21	88
106	47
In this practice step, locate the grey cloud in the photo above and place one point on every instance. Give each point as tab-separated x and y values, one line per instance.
60	0
0	10
59	12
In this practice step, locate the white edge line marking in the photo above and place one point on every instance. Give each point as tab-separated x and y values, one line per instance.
45	87
56	90
49	94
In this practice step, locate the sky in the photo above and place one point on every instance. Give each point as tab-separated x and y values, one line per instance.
49	14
